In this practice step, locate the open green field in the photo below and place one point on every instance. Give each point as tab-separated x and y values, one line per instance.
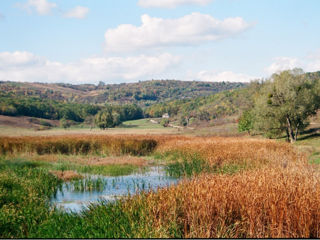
141	124
137	127
141	127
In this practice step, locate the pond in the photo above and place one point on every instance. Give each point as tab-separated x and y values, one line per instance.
77	195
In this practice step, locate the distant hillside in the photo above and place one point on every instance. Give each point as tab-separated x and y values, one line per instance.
206	108
214	107
143	93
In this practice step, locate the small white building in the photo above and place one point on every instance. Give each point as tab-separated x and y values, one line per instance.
166	115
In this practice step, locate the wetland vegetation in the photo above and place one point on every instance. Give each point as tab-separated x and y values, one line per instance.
250	187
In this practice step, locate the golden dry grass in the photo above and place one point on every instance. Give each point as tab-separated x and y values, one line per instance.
218	151
88	160
66	175
78	144
265	203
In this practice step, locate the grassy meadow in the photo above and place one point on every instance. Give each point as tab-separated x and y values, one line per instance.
230	187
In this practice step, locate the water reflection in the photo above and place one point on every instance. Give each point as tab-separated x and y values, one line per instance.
74	196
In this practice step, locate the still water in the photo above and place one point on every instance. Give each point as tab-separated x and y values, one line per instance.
75	196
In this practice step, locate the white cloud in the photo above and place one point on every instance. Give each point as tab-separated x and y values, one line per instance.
226	76
158	32
313	61
309	63
282	63
25	66
77	12
17	59
171	3
42	7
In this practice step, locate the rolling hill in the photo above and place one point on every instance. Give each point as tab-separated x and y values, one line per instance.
144	93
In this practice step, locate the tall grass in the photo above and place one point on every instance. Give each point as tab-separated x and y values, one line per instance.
276	196
24	193
107	145
265	203
218	151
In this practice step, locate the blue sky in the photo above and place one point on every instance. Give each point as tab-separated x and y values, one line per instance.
87	41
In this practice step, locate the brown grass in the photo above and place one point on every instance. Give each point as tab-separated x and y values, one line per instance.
266	203
66	175
218	151
78	144
89	160
24	122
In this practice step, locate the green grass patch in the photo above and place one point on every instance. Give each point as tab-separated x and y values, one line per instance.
25	210
106	170
112	170
314	158
192	164
24	193
141	124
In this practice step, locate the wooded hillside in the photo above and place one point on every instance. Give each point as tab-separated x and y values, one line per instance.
142	93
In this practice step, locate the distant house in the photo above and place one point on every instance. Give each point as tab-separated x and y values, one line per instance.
166	115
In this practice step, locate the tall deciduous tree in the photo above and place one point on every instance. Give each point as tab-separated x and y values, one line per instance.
246	121
104	119
285	103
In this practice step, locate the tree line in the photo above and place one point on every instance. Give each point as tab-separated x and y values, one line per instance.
112	116
66	111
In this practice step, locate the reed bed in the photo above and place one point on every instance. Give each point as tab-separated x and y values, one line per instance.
219	151
265	203
214	150
75	145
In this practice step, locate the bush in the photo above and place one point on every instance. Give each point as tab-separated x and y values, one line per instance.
165	122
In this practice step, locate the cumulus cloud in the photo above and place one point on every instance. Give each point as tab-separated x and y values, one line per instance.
77	12
309	63
42	7
282	63
25	66
313	61
171	3
16	60
226	76
191	29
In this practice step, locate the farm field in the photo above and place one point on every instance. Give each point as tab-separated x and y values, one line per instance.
227	187
139	127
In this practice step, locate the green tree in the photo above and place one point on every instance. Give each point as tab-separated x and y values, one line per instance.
104	119
116	118
246	122
64	123
285	103
107	118
165	122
